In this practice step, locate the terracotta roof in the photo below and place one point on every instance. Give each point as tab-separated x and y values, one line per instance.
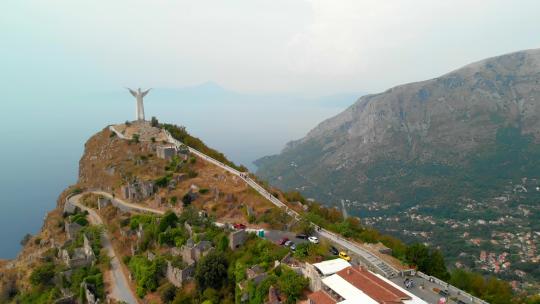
373	286
321	297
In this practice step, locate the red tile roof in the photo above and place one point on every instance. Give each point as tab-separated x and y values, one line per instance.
320	297
372	285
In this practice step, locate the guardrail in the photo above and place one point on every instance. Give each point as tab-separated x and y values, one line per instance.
451	288
364	253
369	257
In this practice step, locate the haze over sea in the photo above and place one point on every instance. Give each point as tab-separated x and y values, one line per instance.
43	139
63	65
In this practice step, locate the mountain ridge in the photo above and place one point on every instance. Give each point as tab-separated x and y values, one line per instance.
444	149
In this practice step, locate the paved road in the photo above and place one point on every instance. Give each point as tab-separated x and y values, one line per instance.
126	206
367	257
424	290
120	285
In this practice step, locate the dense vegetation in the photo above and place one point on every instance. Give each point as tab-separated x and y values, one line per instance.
180	133
49	278
217	274
425	259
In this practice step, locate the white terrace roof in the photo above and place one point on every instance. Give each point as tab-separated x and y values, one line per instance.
331	266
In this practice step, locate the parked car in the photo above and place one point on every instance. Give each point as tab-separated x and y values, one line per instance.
443	293
333	250
293	247
313	239
460	302
283	241
301	236
288	243
344	256
239	226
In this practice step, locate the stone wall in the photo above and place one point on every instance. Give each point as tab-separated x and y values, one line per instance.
165	152
72	229
309	271
177	276
103	202
237	238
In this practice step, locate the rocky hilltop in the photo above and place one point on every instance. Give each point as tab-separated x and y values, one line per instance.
152	220
443	152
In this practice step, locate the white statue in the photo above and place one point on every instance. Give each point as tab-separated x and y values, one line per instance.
139	110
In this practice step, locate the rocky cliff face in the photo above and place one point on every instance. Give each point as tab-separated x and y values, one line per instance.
415	136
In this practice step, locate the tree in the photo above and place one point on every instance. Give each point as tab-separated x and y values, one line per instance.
79	218
497	291
211	271
210	295
168	220
146	273
292	285
187	199
167	292
42	275
304	226
436	265
154	122
418	255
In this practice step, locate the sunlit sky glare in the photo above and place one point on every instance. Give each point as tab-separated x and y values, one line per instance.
307	47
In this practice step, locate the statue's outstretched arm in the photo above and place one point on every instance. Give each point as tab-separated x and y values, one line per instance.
132	92
145	92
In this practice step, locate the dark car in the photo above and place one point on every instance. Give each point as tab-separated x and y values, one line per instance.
460	302
443	293
333	250
301	236
283	241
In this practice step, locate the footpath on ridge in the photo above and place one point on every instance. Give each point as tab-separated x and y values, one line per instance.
372	261
120	283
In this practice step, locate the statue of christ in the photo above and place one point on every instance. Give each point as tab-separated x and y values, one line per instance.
139	110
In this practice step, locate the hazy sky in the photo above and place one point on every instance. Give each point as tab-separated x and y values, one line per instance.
64	63
307	47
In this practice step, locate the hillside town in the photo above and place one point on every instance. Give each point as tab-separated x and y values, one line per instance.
504	244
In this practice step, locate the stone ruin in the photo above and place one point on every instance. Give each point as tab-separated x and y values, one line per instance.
81	257
137	191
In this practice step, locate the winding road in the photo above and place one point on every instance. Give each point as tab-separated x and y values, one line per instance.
367	257
120	283
371	260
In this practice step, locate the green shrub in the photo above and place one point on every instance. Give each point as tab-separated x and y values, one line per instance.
292	284
186	199
167	292
43	275
146	273
163	181
211	271
180	133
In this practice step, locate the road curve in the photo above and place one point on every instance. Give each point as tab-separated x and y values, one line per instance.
380	265
120	283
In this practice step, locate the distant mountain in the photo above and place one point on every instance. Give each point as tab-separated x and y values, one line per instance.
418	134
452	161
